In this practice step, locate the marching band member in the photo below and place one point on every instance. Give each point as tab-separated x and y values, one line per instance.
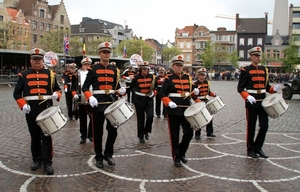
85	131
68	88
63	79
175	88
143	84
253	85
128	76
158	84
35	85
204	90
104	79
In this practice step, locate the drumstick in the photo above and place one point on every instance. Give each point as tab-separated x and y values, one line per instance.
183	106
43	101
107	102
191	93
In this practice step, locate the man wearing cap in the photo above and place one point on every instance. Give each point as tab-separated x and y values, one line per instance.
128	76
253	85
104	79
68	88
33	86
85	131
144	86
174	90
159	80
204	90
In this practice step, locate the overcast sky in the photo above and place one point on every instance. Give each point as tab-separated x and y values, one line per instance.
158	19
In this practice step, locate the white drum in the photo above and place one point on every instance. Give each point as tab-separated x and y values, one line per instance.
51	120
214	105
197	115
275	105
118	112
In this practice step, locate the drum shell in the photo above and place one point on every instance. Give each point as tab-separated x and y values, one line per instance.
275	105
214	105
118	112
51	120
197	115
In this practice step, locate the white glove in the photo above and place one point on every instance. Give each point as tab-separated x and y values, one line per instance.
151	94
127	78
122	91
215	93
66	90
54	96
26	108
93	101
196	91
76	97
251	99
172	105
63	82
277	87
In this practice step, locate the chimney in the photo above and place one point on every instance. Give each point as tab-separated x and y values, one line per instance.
221	29
237	16
126	26
141	38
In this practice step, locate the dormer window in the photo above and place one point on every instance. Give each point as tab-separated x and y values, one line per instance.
81	30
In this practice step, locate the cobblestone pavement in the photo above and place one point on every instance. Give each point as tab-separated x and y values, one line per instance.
218	164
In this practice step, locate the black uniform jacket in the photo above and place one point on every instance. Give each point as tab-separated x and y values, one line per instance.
101	78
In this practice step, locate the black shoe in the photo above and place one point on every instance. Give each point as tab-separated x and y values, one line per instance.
252	154
158	116
82	141
177	164
261	154
183	159
48	169
142	140
110	161
197	137
99	164
211	135
35	165
91	139
146	136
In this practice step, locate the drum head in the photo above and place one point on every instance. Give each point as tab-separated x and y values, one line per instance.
47	112
194	109
271	99
113	106
212	100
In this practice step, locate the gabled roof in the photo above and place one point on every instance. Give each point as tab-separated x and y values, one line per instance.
186	29
154	43
252	25
54	9
14	13
269	38
90	26
26	6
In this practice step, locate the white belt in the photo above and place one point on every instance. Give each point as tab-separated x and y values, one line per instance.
37	97
103	91
141	94
259	91
159	85
179	94
201	97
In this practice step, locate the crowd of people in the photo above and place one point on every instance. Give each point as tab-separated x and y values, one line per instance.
90	90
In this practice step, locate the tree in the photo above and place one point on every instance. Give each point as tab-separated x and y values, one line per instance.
53	40
221	54
208	55
168	53
291	57
7	34
137	46
234	57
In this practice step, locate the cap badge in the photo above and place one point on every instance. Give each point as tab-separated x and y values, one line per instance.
179	58
37	51
106	44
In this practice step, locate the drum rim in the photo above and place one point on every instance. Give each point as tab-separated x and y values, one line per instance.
49	114
201	109
119	102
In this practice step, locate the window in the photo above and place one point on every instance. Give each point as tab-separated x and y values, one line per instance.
34	38
241	54
242	43
25	32
188	45
198	44
201	34
250	41
231	38
185	34
48	27
81	30
259	41
1	17
296	26
34	25
20	31
276	54
42	13
296	14
55	27
181	45
42	26
276	42
188	57
62	19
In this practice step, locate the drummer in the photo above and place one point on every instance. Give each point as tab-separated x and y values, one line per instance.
104	79
204	91
253	85
32	88
85	131
175	88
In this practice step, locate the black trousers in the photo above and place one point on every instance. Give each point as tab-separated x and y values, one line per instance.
129	92
263	119
85	131
142	127
178	148
209	129
98	119
69	102
41	145
158	106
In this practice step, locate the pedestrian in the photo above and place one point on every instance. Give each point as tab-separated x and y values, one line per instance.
128	76
83	110
252	86
33	86
104	79
176	87
159	80
204	91
144	86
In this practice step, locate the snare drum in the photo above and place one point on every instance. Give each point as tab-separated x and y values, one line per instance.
197	115
118	112
51	120
275	105
214	105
